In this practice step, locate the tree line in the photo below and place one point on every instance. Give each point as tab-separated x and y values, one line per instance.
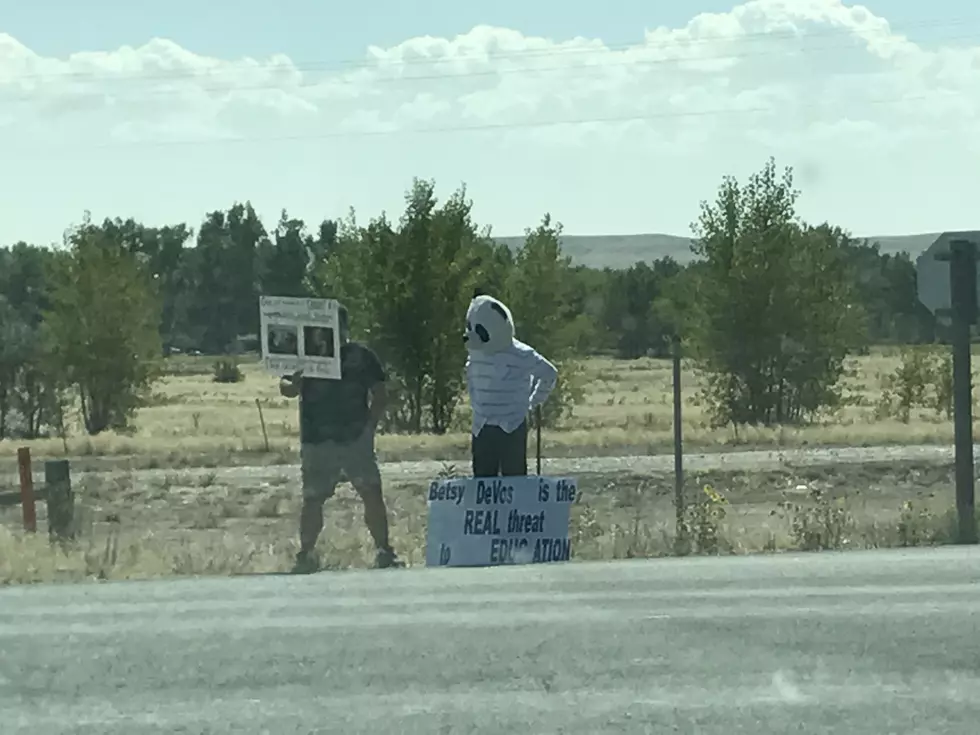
769	308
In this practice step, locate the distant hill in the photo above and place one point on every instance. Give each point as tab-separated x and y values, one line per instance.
622	251
911	244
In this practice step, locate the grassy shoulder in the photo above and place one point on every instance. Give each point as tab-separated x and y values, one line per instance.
191	421
183	523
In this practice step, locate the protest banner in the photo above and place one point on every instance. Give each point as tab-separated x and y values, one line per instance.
479	522
300	334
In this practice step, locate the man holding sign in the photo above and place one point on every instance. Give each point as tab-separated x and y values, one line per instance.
338	421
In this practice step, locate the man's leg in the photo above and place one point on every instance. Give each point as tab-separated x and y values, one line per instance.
486	451
361	468
513	455
320	471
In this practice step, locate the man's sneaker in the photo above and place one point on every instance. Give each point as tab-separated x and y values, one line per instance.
306	563
387	559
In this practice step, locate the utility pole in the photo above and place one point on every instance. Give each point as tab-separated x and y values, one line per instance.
963	302
946	284
680	533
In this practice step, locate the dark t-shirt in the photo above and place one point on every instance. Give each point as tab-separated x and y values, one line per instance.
337	410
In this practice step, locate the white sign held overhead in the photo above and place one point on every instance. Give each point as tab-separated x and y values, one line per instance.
300	334
482	522
932	271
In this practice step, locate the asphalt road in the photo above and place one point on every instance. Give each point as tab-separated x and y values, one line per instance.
855	643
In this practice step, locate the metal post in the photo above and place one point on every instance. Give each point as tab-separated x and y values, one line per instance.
27	502
61	500
963	300
537	423
679	504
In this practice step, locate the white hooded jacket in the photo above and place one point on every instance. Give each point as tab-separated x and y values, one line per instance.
506	378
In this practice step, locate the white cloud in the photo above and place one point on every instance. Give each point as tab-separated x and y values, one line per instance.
811	81
788	67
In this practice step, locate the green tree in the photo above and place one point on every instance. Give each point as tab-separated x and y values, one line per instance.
29	392
888	295
496	263
102	327
247	235
286	259
222	276
586	304
634	308
161	250
324	242
469	258
206	311
540	293
777	309
22	279
15	340
408	288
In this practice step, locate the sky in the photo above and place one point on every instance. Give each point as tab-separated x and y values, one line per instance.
615	118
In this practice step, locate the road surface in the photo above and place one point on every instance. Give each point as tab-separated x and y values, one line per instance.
857	643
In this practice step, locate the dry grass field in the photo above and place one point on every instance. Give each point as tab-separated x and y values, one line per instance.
194	422
188	523
184	519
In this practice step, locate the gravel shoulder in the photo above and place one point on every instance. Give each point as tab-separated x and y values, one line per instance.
741	461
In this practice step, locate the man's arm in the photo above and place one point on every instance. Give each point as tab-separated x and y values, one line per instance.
379	403
289	385
545	376
378	379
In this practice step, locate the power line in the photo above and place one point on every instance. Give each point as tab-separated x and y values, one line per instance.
361	64
482	128
639	63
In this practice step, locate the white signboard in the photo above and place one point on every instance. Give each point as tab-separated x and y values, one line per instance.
300	334
481	522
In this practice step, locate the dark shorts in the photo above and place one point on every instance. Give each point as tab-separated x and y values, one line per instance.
327	463
497	453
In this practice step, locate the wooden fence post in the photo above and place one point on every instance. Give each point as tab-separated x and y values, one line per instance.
265	434
61	500
27	501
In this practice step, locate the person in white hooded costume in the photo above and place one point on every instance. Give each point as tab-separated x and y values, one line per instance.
507	380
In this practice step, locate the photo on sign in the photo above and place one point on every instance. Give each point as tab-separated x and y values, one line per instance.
300	334
318	342
282	340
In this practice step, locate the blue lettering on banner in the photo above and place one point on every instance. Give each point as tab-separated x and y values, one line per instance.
451	492
565	492
509	551
499	521
481	523
544	493
494	493
548	550
518	522
518	551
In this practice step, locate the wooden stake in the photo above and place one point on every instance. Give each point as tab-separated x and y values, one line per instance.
265	435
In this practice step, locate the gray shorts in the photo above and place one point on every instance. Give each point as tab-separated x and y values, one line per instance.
327	463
